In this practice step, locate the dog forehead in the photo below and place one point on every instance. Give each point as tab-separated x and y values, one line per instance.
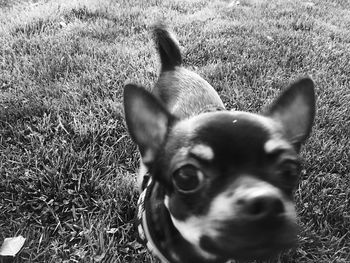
233	124
229	134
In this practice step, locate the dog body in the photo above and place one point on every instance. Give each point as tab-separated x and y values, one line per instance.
183	92
189	101
221	182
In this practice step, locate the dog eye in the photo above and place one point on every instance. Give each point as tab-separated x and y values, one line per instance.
188	179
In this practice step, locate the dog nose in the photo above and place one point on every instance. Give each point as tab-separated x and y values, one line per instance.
261	207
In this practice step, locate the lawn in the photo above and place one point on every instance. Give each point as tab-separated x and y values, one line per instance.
67	165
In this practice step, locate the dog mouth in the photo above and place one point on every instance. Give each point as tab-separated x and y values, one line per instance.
253	246
255	251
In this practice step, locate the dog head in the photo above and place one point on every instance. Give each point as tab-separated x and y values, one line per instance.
229	176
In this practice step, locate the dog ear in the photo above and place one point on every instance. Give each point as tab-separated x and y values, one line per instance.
295	110
147	120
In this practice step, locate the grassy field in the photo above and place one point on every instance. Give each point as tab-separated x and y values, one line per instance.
67	165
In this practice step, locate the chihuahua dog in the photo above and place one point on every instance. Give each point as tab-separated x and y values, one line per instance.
217	184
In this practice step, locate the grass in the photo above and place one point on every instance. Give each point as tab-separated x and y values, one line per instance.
67	165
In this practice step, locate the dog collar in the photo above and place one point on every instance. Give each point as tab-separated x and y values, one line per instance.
143	222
